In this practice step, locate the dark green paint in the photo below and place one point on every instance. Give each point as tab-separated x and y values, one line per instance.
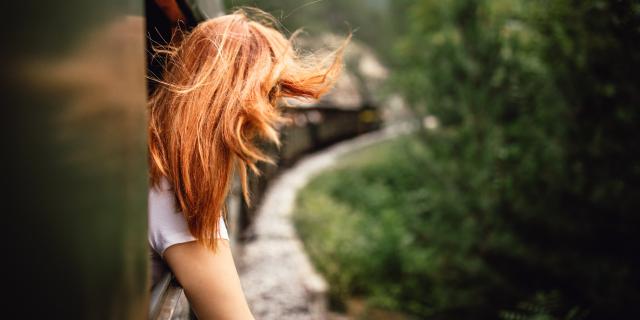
74	159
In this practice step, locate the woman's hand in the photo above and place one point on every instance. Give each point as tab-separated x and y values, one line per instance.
210	281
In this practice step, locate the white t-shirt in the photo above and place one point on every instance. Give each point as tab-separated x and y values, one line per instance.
167	225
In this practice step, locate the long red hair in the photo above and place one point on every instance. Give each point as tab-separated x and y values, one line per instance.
218	96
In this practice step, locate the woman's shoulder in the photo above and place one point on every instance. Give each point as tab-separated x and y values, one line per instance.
167	224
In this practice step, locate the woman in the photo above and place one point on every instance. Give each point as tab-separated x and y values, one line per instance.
218	97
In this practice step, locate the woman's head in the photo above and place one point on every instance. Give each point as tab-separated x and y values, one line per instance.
218	95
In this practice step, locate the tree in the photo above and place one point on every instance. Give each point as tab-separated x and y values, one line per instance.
538	103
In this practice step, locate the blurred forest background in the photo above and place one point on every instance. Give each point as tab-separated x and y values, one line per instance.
520	198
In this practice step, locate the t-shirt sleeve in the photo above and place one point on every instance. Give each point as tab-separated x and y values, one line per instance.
167	225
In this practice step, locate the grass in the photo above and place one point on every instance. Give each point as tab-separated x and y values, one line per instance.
354	220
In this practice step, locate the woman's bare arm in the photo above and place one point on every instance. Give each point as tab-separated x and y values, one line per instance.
210	281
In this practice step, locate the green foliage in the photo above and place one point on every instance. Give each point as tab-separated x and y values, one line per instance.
544	306
538	103
368	19
371	228
530	184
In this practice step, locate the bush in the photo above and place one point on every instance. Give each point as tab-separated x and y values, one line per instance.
370	228
538	103
531	184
